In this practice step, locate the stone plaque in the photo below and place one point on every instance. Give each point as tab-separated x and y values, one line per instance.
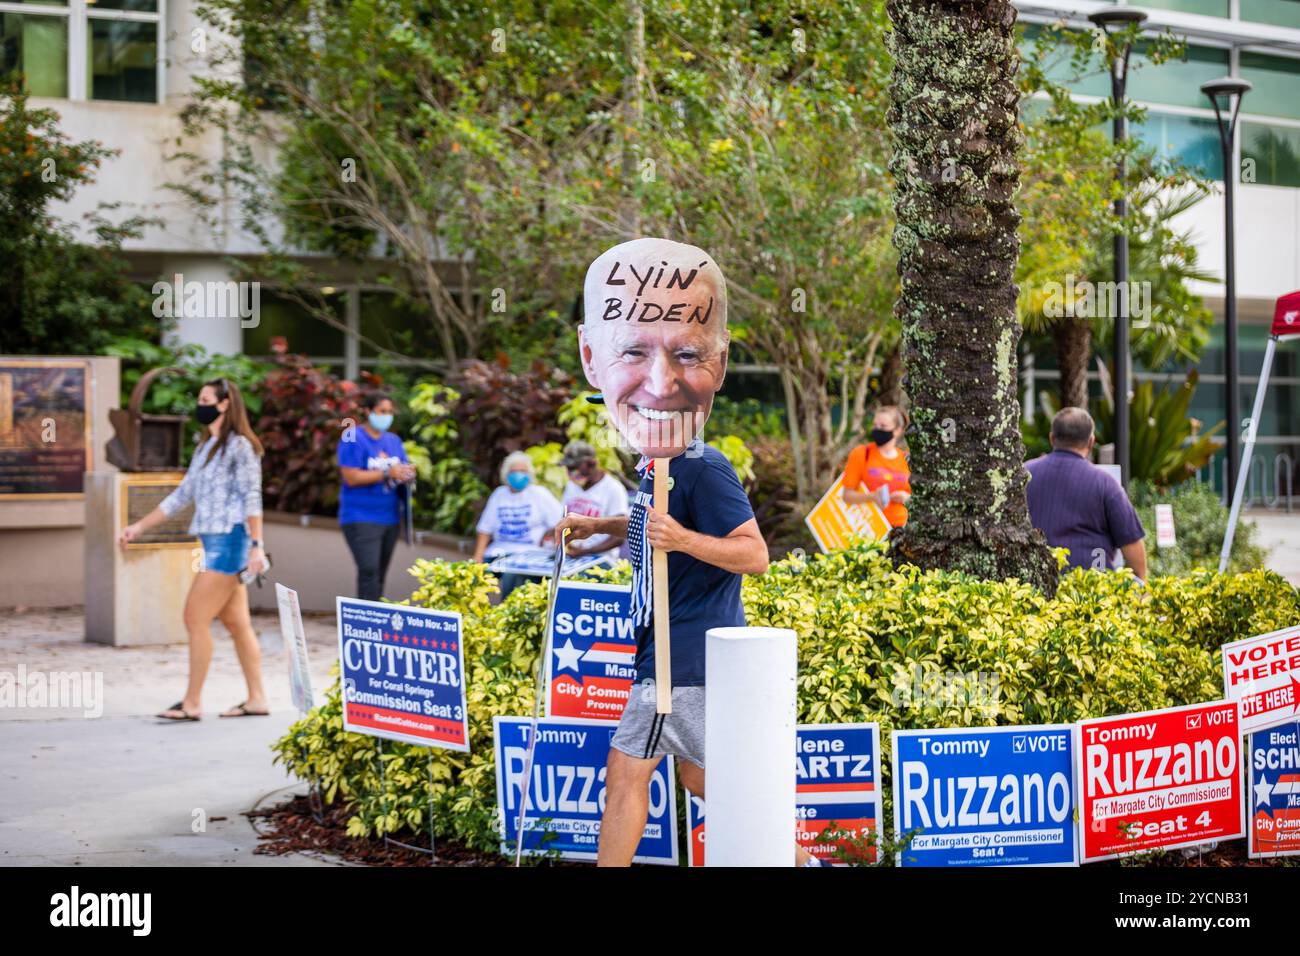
140	495
44	432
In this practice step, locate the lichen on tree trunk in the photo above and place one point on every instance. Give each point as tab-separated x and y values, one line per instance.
953	113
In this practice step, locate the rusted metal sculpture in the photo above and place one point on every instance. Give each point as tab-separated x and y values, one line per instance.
144	442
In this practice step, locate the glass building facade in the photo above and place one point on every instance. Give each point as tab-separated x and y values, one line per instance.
1180	124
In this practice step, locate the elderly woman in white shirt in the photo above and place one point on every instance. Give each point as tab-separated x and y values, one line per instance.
517	516
224	482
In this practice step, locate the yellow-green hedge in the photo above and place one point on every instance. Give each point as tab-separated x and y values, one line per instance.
870	637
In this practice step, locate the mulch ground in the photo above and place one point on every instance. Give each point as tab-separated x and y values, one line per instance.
1229	853
293	827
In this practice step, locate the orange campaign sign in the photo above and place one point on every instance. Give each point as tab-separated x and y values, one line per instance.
833	521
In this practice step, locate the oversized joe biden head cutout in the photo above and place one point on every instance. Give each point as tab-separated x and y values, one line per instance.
654	340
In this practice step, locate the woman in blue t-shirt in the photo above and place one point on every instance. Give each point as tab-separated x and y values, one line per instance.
372	463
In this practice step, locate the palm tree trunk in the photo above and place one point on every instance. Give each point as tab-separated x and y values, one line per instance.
953	114
1072	338
633	115
891	377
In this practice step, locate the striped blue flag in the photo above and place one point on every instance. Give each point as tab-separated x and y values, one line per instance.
639	545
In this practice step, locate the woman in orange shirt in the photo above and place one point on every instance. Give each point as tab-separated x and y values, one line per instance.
878	471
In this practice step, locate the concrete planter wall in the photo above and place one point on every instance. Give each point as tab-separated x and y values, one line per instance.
308	554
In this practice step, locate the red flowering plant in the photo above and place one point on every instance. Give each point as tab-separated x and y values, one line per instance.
501	411
305	410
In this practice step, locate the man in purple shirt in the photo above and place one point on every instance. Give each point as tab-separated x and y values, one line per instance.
1078	506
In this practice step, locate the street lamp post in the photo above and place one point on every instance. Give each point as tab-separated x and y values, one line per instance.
1119	18
1232	89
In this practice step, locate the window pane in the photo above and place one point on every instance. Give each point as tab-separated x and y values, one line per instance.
1276	81
122	60
150	6
37	47
396	324
1271	154
1283	13
1192	141
1177	82
304	333
1209	8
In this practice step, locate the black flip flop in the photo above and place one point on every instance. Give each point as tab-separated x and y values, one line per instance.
245	712
179	705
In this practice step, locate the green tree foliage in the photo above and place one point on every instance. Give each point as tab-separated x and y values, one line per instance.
59	293
1068	186
1168	446
449	494
413	132
1200	522
766	144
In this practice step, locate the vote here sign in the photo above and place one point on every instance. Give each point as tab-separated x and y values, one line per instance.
1159	780
591	654
566	790
1273	789
402	670
1262	674
837	795
987	796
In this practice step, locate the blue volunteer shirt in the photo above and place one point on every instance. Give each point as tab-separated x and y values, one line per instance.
706	496
1078	506
377	503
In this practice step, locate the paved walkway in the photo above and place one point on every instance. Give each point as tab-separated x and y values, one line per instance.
1279	532
123	787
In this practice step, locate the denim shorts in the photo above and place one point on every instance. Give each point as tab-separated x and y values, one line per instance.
226	553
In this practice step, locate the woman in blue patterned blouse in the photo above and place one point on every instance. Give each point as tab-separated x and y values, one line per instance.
224	483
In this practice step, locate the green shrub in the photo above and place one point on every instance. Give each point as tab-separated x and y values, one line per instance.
747	418
1200	521
870	637
176	393
448	492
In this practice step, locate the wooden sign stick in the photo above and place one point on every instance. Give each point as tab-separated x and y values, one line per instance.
659	567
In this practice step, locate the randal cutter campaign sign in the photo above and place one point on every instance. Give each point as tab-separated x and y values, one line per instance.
566	790
837	788
1159	780
1273	789
1262	674
986	796
402	670
591	658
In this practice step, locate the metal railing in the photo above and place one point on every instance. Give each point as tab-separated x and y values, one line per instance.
1269	485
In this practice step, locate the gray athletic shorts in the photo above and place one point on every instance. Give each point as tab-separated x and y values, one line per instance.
643	733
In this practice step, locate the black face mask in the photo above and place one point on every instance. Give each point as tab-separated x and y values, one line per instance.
881	436
206	414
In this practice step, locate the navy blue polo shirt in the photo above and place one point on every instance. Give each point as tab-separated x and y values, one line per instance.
1078	506
706	496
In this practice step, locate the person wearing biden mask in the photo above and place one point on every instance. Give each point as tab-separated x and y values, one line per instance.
654	343
372	464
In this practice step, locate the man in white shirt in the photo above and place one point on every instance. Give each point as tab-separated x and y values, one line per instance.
593	492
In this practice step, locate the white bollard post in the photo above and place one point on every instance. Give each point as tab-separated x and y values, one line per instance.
750	710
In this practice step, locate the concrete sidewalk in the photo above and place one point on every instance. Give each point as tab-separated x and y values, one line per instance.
125	788
1279	532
